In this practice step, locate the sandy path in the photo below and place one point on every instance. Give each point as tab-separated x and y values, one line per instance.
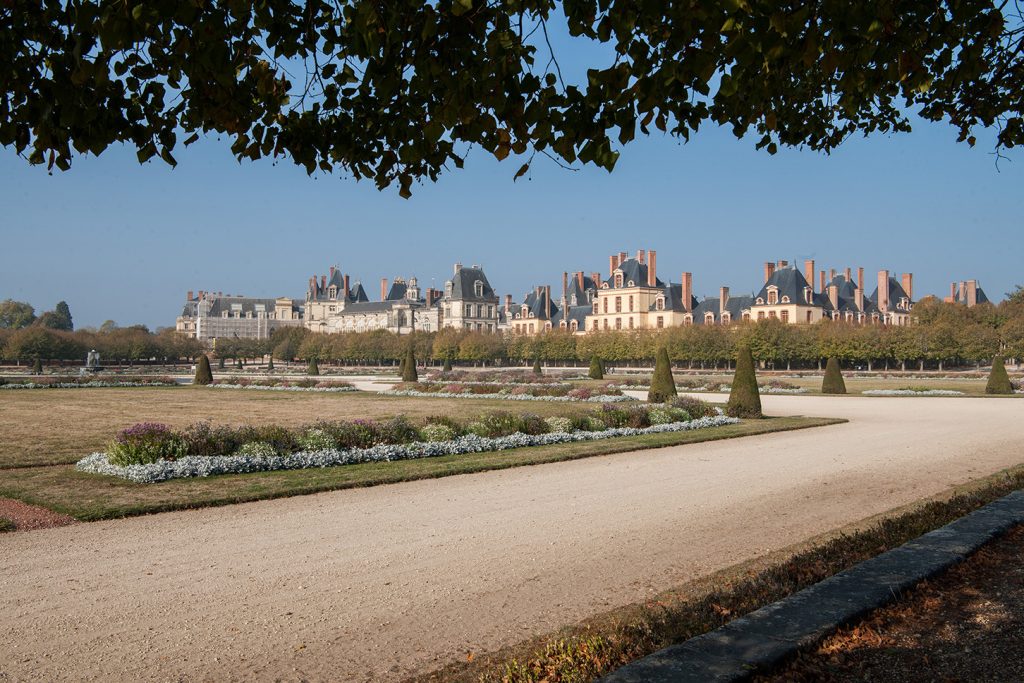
382	582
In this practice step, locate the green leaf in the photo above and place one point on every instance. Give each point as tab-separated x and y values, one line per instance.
460	7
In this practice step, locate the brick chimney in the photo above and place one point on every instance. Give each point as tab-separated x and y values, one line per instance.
640	256
652	268
848	274
579	281
783	264
622	257
769	270
831	274
952	292
547	301
202	294
860	289
809	273
383	289
613	263
972	293
723	300
457	268
596	277
565	291
332	272
908	285
963	292
687	292
323	282
508	303
833	295
188	297
344	287
822	281
883	291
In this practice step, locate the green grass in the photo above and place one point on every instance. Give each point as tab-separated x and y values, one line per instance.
91	497
6	525
586	651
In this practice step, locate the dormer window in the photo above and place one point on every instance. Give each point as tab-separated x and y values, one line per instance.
631	284
659	304
448	289
709	318
572	300
332	292
478	289
760	301
573	326
785	299
618	279
773	297
808	295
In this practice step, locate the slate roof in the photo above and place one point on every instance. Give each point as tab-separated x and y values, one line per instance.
635	272
791	284
848	297
896	292
398	291
735	306
982	297
674	299
233	304
536	305
462	285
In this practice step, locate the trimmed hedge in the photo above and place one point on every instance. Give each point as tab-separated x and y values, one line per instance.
833	382
313	368
596	371
409	366
204	375
998	380
744	399
663	386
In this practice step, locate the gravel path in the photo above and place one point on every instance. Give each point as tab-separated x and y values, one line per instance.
29	517
379	583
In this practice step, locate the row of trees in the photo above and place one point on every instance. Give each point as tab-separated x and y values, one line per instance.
945	334
15	315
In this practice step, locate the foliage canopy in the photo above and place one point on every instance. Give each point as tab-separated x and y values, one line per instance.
399	91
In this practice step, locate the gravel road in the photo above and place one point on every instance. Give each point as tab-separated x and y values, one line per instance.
380	583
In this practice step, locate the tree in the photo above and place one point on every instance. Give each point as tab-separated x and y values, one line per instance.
744	399
833	381
409	371
37	366
998	380
663	386
537	370
447	364
15	315
63	313
270	364
596	371
204	375
313	369
220	362
379	94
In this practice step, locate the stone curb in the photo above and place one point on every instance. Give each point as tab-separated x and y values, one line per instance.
769	635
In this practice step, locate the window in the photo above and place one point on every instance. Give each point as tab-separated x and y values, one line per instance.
784	315
574	326
785	299
478	288
479	311
809	316
760	315
606	305
659	304
618	323
771	314
808	295
606	323
773	297
709	318
333	292
618	304
596	311
630	322
618	279
746	316
661	321
595	324
469	311
630	302
726	318
532	328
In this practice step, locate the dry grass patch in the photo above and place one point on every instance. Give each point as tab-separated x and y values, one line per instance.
54	426
90	496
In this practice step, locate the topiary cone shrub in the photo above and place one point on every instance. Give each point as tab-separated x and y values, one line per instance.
238	363
833	382
596	371
998	380
745	399
663	386
204	375
536	366
447	364
220	363
409	369
313	368
37	367
270	364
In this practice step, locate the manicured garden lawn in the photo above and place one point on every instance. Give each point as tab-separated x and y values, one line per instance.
55	426
89	497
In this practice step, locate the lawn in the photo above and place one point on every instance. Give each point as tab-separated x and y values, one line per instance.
90	497
57	426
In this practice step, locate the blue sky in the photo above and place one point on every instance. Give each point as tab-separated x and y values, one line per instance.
122	241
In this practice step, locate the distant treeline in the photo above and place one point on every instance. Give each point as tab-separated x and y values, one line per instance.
945	334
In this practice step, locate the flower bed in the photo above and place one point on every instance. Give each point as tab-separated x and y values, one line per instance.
912	392
506	377
515	394
148	452
83	383
276	384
